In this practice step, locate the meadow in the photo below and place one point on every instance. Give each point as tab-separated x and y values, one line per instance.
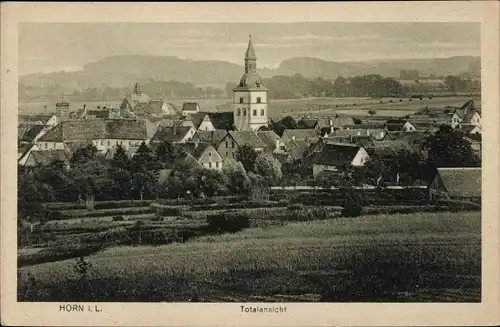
399	257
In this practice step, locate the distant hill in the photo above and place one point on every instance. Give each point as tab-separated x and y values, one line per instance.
313	67
123	71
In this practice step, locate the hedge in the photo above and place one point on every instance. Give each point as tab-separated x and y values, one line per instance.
97	205
104	212
204	201
57	254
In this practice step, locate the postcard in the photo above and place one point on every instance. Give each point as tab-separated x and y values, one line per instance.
250	164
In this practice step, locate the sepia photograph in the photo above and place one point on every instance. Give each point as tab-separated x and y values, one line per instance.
249	162
263	164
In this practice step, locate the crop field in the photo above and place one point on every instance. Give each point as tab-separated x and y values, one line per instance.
400	257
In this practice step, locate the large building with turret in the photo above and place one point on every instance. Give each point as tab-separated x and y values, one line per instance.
250	96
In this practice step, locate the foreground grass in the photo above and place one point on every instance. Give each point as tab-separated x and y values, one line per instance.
363	259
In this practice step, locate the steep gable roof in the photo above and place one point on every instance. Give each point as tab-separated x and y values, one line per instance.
389	148
213	137
39	118
461	182
47	157
269	138
197	118
247	137
128	129
307	123
171	134
222	120
197	149
298	147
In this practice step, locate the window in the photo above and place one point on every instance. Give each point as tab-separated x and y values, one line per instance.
258	100
241	99
46	145
238	112
255	112
109	142
209	164
232	144
210	154
54	146
262	112
227	144
216	164
244	112
226	154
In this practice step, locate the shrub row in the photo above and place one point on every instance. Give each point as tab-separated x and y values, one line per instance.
97	204
204	201
58	253
240	205
103	212
169	210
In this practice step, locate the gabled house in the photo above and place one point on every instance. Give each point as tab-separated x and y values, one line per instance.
41	119
174	134
28	133
213	137
205	154
23	151
470	129
155	107
102	133
463	184
466	115
389	148
233	140
332	156
399	125
201	121
273	142
190	108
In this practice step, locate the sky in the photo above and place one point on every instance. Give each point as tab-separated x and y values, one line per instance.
51	47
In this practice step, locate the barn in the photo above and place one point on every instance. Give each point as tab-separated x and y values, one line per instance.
461	184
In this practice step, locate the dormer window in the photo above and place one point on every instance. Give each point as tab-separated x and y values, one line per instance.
241	99
258	98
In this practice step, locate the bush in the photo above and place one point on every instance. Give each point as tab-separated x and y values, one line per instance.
353	205
308	214
229	222
118	218
400	100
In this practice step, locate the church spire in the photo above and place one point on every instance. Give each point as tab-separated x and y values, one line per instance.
250	58
250	54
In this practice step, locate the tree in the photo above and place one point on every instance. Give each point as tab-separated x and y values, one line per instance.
448	148
268	167
143	183
120	159
143	159
83	155
246	155
166	153
237	181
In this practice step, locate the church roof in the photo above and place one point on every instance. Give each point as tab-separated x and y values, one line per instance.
250	81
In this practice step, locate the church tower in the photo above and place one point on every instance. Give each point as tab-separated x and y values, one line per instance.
250	96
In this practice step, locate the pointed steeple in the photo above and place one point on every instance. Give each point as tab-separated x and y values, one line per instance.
250	54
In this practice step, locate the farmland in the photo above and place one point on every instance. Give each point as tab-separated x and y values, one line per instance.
400	257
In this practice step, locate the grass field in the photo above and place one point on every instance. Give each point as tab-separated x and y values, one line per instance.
369	258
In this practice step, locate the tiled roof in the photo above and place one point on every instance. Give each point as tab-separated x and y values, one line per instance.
213	137
309	134
247	137
361	140
269	138
43	118
307	123
190	106
335	154
47	157
250	81
98	113
197	118
92	129
170	134
298	147
461	182
395	124
196	149
222	120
